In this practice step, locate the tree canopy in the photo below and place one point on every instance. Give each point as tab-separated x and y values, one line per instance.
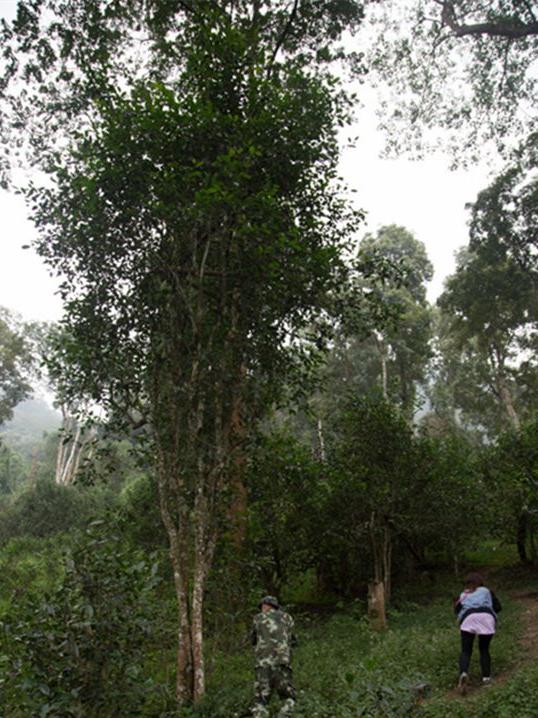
466	66
15	363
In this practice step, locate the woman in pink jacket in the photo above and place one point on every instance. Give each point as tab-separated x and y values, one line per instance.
476	609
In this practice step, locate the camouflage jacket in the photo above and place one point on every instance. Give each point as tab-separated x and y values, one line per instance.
273	638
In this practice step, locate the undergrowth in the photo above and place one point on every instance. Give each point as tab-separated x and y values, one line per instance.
344	670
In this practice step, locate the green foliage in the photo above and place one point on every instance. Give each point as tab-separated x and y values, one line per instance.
80	650
45	509
491	313
511	470
15	362
30	567
372	471
448	482
505	214
138	511
389	354
373	452
12	469
283	488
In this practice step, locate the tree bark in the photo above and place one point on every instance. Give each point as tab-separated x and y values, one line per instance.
322	454
381	542
377	616
521	538
382	350
508	402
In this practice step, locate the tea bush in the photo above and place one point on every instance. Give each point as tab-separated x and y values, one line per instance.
79	650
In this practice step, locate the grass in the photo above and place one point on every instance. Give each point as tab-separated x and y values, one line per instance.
344	670
341	668
493	554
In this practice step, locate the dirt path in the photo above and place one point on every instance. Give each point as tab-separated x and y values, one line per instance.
528	600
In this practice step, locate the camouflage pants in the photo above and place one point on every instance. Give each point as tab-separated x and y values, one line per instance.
269	680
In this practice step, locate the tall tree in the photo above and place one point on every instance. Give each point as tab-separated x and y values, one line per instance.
373	459
491	306
390	352
195	217
511	468
404	347
505	214
15	363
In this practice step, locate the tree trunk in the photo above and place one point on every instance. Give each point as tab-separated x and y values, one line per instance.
73	441
377	616
497	360
382	350
178	545
238	509
508	403
521	538
387	562
322	455
198	630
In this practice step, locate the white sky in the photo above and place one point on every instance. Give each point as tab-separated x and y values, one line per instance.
425	197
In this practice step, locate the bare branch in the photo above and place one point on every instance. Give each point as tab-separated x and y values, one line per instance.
285	31
511	30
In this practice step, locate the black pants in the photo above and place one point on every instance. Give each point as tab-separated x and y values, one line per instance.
467	640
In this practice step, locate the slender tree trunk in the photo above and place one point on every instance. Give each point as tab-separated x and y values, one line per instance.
238	509
508	403
498	362
61	451
184	660
178	546
321	442
67	476
376	554
382	350
377	615
198	629
521	538
387	562
381	541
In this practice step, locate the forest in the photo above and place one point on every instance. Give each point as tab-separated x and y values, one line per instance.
248	393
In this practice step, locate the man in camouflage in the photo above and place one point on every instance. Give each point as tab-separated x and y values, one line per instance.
273	639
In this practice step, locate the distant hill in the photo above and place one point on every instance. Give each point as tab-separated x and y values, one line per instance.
31	419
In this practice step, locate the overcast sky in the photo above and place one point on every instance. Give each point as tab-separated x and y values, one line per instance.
425	197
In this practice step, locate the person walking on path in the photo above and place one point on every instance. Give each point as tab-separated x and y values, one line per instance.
273	640
476	608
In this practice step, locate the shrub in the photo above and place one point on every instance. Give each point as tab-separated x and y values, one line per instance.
45	509
79	651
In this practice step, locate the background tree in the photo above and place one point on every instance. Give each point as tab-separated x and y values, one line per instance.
491	303
373	456
511	470
505	214
448	508
403	347
388	354
283	481
15	361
